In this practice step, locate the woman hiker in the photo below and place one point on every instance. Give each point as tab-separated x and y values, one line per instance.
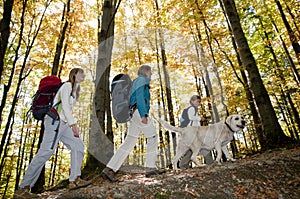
140	121
68	133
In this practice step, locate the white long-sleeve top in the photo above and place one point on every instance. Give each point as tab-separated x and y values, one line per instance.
64	109
193	117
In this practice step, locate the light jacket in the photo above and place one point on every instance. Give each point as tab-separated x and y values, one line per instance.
64	109
140	95
194	117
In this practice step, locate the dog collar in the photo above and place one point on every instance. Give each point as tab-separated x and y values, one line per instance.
229	127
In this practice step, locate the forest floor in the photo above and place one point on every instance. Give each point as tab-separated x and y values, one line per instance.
272	174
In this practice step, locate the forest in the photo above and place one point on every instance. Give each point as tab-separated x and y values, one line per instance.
240	57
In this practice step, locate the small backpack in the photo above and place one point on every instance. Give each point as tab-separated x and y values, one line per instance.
184	119
120	92
42	103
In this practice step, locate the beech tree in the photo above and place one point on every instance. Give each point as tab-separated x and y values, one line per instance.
273	135
101	132
257	69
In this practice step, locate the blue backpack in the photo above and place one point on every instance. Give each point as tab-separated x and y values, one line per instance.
184	119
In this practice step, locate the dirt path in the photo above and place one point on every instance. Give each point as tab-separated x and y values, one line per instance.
274	174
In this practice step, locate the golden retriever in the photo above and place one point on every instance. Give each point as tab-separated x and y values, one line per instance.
215	136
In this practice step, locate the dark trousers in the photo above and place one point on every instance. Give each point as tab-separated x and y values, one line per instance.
185	160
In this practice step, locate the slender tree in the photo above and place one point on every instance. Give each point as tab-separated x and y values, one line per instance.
210	38
165	72
161	99
289	57
23	70
61	40
5	31
291	33
279	72
197	39
204	63
40	183
293	17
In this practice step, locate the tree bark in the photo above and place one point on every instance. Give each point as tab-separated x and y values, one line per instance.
293	17
166	74
161	98
273	135
101	132
5	31
61	39
244	82
293	67
22	71
292	36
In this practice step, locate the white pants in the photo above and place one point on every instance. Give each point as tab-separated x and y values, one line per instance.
65	134
135	127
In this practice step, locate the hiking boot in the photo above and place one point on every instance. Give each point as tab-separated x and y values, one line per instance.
109	174
24	193
78	183
154	171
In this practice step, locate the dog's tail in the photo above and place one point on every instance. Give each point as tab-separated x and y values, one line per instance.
169	127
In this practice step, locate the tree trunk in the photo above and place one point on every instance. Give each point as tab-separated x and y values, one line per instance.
295	114
203	61
293	17
61	39
5	31
40	183
22	71
6	149
215	95
293	67
101	106
166	74
161	43
244	82
218	95
292	36
202	106
286	114
161	98
273	135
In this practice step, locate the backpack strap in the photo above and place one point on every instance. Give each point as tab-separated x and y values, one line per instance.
55	116
56	134
53	111
57	103
133	107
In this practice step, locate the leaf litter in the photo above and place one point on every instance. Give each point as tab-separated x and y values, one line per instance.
274	174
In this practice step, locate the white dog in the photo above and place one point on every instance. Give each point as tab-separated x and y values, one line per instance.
215	136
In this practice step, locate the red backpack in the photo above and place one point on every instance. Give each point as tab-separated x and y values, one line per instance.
42	103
